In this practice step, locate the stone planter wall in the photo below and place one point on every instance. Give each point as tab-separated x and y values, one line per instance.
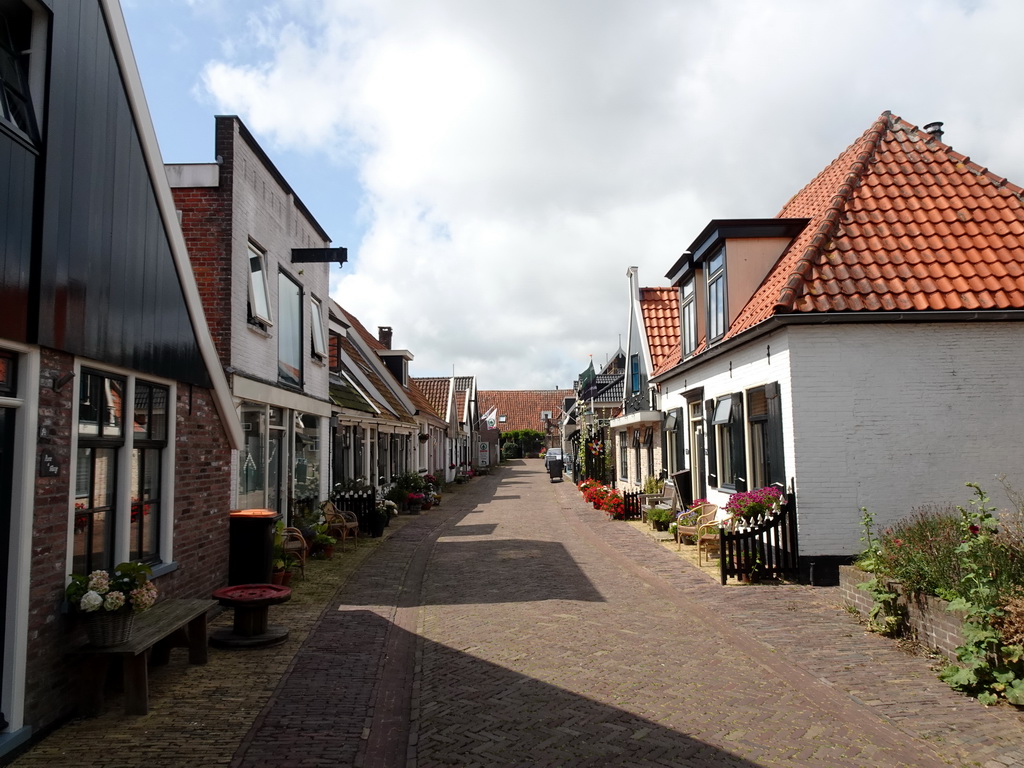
929	621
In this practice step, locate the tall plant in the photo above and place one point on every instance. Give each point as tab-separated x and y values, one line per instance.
989	668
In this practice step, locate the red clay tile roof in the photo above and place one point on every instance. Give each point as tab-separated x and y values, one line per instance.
898	222
523	407
660	310
435	389
421	401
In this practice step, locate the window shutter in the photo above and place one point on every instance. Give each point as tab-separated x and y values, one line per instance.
709	439
739	452
775	448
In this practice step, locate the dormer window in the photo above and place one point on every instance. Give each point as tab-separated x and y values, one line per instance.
634	373
716	296
688	316
22	42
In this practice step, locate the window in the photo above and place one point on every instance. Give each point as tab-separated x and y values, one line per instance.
252	483
638	477
316	322
149	429
767	459
334	341
259	298
100	439
716	296
649	445
727	423
757	416
672	458
623	456
289	340
634	373
382	457
307	462
16	40
688	314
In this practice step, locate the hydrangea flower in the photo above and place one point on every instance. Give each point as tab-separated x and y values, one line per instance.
143	597
113	601
99	582
91	601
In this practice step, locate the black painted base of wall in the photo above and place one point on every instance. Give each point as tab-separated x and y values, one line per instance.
822	570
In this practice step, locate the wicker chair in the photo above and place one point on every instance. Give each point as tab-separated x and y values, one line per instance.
707	534
705	515
341	523
293	546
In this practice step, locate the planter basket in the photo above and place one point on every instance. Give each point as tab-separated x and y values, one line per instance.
108	628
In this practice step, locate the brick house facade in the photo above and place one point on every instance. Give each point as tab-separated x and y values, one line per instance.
262	266
116	421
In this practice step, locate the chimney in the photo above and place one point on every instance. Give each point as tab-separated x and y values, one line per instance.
384	335
935	129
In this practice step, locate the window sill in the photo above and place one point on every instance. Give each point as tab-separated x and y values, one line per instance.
162	569
258	330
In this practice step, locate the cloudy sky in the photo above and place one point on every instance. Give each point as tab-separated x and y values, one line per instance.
494	166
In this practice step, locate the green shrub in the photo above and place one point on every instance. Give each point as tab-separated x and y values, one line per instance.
920	552
661	515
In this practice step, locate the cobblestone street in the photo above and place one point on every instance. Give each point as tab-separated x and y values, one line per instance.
515	625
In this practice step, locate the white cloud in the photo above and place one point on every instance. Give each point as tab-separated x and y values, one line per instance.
517	157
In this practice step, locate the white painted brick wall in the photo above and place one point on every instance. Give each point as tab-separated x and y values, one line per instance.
891	417
761	362
264	212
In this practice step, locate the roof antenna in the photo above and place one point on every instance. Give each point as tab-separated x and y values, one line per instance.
935	129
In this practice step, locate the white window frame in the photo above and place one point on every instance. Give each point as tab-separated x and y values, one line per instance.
718	315
316	321
259	288
688	315
168	462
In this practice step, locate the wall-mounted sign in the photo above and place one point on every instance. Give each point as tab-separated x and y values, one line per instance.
483	456
48	465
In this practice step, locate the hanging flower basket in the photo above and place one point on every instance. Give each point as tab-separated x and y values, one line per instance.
424	437
109	628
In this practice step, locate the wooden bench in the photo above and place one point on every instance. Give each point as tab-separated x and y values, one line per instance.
169	623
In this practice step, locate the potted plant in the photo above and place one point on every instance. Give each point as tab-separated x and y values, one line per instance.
415	502
110	599
377	519
323	545
758	503
660	518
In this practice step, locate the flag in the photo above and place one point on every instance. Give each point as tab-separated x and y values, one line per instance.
491	417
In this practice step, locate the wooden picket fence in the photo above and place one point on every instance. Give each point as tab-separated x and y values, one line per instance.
764	549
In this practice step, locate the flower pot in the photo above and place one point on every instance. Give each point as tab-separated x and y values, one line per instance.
277	577
109	628
286	578
377	526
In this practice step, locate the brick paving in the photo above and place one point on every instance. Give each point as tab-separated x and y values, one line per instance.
515	625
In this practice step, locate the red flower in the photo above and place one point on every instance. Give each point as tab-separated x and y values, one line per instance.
975	530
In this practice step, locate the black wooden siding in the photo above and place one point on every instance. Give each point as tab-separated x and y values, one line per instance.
108	289
17	185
